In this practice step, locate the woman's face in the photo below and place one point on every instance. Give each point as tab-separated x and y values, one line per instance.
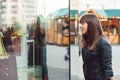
83	27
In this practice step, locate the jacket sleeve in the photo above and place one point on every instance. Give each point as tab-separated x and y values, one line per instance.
106	60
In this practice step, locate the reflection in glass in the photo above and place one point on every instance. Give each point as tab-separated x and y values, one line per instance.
57	39
40	44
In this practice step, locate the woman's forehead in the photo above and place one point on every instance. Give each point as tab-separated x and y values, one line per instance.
82	20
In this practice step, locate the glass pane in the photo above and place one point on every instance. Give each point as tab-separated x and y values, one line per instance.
109	19
35	30
57	37
75	46
40	39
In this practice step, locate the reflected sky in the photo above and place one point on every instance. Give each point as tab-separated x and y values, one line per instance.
98	4
51	6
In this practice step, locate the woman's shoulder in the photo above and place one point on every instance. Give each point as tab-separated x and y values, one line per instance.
103	41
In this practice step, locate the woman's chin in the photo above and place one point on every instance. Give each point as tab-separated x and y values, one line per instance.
84	33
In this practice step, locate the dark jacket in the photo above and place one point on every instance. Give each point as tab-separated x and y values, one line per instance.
97	63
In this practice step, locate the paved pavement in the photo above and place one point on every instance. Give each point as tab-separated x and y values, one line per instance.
116	61
58	68
58	73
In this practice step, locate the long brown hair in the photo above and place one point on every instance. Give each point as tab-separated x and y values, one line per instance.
94	31
37	33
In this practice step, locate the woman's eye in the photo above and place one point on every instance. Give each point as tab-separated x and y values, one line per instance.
83	23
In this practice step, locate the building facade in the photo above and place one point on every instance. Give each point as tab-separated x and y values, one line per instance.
21	11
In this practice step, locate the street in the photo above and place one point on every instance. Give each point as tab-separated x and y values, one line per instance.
58	68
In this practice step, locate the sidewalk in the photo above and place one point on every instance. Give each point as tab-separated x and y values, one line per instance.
58	73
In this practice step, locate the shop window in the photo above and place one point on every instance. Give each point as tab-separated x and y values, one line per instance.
72	26
113	24
59	21
113	29
65	26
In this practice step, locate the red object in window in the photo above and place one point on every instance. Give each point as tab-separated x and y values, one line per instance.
113	22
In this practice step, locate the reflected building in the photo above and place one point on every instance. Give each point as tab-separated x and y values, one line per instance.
18	10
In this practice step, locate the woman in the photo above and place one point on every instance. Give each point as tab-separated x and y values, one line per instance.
40	48
96	50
